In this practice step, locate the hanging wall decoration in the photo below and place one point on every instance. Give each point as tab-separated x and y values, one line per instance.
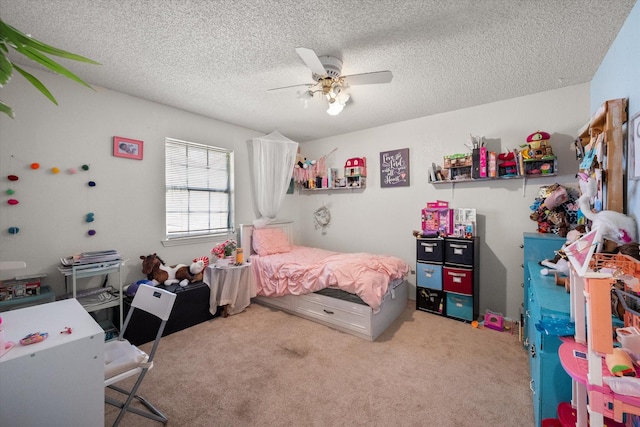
129	148
322	219
394	168
35	166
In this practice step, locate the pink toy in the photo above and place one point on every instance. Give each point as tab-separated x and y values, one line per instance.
33	338
494	320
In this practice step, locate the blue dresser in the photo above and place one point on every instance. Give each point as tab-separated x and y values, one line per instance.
544	301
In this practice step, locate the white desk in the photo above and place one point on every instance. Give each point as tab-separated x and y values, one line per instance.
232	287
56	382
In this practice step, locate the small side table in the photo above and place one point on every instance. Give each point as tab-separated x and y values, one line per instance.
230	287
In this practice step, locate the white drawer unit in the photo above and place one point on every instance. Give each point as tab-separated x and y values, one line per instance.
339	313
349	317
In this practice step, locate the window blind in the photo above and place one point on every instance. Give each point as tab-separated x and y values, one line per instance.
199	189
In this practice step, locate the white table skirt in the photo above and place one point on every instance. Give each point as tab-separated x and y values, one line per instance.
230	286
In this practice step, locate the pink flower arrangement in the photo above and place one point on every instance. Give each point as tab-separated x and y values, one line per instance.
224	249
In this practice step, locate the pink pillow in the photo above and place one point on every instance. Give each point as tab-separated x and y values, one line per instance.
267	241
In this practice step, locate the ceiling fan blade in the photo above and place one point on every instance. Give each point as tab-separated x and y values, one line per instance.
300	86
311	60
376	77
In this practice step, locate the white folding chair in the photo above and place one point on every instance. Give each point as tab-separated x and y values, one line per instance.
123	360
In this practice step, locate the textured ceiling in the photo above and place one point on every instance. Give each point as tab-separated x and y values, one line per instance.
218	58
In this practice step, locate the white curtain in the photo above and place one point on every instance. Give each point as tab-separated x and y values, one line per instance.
273	159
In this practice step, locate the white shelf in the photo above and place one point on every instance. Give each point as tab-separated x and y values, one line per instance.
90	302
496	179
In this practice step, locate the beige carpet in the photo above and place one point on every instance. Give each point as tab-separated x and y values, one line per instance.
264	367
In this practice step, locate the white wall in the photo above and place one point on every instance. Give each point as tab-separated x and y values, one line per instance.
381	220
128	200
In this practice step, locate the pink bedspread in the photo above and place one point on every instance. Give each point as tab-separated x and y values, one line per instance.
305	270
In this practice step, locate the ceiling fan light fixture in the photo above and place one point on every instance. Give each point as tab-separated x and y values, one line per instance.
343	97
334	108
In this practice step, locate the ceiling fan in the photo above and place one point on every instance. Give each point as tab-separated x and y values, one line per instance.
326	73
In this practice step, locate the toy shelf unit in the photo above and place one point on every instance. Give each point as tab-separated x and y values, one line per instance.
536	159
355	177
589	355
447	277
97	298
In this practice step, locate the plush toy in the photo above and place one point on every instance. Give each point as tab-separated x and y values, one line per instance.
549	212
300	159
559	265
197	270
614	226
157	272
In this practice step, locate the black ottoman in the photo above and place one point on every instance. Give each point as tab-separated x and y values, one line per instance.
191	307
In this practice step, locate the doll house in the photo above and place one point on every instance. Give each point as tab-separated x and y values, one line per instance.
355	171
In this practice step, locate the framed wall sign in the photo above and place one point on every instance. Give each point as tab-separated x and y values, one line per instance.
394	168
125	147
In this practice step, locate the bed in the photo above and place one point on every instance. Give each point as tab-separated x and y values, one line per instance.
359	294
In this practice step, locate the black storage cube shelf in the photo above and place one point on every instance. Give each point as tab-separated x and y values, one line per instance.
430	250
459	252
431	300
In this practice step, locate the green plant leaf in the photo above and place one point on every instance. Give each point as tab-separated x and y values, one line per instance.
36	83
18	38
4	108
49	63
6	70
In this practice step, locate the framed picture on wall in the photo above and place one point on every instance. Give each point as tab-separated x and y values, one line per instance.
129	148
394	168
633	130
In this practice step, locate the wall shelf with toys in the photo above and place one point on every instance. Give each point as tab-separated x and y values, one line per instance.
534	160
354	178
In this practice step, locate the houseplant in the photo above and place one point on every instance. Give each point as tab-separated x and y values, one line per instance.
11	38
225	250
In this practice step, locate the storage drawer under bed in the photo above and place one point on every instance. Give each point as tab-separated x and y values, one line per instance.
349	315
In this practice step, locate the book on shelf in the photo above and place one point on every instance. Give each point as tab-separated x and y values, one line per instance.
91	258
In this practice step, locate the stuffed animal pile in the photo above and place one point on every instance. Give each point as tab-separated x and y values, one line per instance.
158	272
555	210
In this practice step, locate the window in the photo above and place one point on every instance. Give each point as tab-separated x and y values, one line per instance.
199	189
